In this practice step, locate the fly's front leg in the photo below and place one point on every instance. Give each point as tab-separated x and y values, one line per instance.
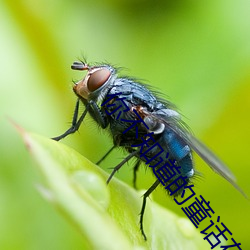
99	116
75	124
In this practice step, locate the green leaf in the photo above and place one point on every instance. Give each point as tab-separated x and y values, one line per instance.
106	215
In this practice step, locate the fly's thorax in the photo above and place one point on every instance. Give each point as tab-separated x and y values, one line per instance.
95	84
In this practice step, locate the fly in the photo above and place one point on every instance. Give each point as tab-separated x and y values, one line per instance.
137	120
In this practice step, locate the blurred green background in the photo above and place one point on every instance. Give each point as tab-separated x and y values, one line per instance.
195	52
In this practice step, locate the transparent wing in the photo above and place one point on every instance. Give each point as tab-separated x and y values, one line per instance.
175	124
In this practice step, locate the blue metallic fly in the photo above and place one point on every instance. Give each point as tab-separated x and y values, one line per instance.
137	120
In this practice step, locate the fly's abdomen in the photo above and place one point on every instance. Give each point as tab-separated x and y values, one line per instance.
179	150
169	158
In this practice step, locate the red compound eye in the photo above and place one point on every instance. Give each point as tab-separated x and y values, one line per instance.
97	79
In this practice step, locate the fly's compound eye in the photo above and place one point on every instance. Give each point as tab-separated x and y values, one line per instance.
97	79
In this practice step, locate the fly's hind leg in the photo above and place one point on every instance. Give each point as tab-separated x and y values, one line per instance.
145	196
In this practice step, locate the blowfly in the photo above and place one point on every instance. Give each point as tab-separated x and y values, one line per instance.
148	127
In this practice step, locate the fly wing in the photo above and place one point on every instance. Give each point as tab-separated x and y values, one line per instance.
176	125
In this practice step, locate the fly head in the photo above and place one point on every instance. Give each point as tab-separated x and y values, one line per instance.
96	79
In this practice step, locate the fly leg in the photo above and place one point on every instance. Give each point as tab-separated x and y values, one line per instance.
105	155
99	116
116	168
93	109
145	196
136	167
75	124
